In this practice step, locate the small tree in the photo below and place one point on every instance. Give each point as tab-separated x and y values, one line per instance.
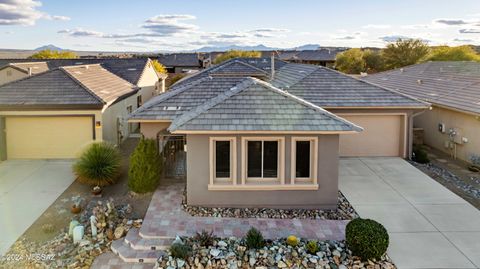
460	53
236	54
374	61
404	52
54	54
160	68
350	61
145	167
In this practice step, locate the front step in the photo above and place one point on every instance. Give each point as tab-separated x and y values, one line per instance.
137	242
128	254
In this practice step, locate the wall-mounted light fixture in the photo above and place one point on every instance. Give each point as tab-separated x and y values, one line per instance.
98	124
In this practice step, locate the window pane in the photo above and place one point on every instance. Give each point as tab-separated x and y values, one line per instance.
254	159
270	158
222	159
303	159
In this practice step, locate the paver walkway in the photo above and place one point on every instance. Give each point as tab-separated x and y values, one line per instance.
429	226
166	218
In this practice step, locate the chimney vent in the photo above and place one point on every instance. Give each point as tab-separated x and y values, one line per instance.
29	71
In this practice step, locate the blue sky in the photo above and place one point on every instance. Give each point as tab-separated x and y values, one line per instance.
143	25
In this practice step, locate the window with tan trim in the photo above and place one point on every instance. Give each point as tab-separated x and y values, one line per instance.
263	160
223	160
304	158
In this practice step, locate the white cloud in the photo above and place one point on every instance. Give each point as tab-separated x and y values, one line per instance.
168	25
60	18
376	26
23	12
79	32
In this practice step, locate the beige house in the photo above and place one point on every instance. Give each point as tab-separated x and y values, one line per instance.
15	71
55	114
453	123
247	136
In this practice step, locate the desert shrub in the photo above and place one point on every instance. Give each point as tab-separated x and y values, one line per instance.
99	165
204	239
254	239
180	251
366	238
292	240
420	155
312	247
145	167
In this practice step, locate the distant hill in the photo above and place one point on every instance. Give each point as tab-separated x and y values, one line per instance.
259	47
48	47
307	47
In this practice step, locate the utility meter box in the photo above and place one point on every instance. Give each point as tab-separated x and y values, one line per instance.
441	128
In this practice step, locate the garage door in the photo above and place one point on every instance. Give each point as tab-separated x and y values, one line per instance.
382	136
47	137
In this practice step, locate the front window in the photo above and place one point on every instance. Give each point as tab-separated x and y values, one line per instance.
302	164
223	160
304	159
262	159
139	101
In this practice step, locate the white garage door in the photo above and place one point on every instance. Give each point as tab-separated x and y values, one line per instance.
47	137
383	135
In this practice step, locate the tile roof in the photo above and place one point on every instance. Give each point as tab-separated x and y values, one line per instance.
309	55
254	105
34	67
53	88
180	59
451	84
238	68
76	86
130	69
331	89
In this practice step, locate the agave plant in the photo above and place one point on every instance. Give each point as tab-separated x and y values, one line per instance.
99	165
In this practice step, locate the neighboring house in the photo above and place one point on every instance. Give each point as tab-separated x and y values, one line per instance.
453	88
323	57
15	71
55	114
138	71
184	62
258	132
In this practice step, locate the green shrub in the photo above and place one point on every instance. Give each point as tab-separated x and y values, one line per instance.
99	165
180	251
145	167
254	239
420	155
312	247
205	239
366	238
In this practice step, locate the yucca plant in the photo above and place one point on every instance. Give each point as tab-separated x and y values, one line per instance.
99	165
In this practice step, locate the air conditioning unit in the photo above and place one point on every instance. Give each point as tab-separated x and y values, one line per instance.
441	128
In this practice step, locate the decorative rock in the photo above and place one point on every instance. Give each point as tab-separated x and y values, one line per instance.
93	225
281	264
119	232
73	224
222	244
78	233
215	252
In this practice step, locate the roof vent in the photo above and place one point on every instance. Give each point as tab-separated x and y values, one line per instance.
233	88
172	108
78	63
419	81
401	70
86	66
132	69
363	74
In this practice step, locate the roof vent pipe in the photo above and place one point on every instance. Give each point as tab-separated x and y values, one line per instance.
272	64
29	71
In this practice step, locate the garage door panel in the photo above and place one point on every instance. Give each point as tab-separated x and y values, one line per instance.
47	137
382	136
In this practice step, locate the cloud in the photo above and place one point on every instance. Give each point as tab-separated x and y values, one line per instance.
376	26
469	31
168	25
79	32
463	40
451	21
23	12
393	38
348	37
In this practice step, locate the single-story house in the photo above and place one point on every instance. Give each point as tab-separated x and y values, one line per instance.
15	71
255	130
55	114
453	89
178	63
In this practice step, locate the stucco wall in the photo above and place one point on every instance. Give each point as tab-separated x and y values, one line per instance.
324	197
149	83
15	75
468	124
110	115
3	141
151	129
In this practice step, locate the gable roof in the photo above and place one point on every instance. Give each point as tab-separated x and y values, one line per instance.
26	67
327	88
455	85
238	68
66	87
254	105
130	69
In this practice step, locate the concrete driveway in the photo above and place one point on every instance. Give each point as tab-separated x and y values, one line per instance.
429	226
27	189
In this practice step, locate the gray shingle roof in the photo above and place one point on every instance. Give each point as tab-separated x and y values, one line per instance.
50	89
130	69
327	55
450	84
254	105
180	60
330	89
238	68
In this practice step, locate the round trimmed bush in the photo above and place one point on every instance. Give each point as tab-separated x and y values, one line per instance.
145	167
99	165
366	238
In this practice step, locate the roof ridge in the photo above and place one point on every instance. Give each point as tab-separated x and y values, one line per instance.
27	77
82	85
196	111
236	60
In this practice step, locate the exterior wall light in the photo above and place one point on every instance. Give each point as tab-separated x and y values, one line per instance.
98	124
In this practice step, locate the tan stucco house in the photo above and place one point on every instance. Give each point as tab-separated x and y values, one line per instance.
453	89
56	113
255	132
15	71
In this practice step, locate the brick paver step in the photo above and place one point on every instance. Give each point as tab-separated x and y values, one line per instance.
137	242
128	254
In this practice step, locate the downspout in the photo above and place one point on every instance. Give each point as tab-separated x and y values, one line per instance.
410	133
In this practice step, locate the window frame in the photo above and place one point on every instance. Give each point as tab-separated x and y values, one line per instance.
313	179
233	161
280	179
